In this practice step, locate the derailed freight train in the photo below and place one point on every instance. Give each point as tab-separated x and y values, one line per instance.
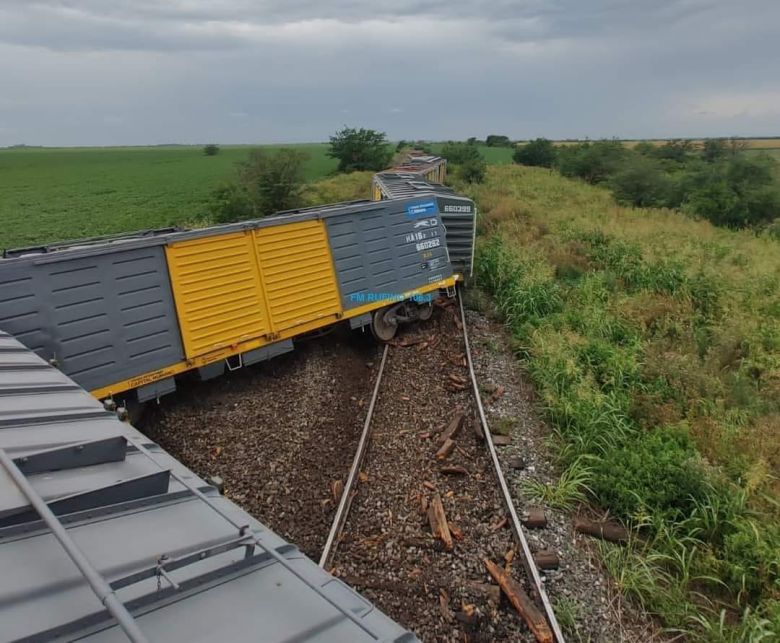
124	315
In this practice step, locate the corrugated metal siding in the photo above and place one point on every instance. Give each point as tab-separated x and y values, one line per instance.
218	292
459	225
367	265
102	317
458	215
297	272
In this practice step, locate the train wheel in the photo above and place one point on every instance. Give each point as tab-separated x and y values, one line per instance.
425	311
384	324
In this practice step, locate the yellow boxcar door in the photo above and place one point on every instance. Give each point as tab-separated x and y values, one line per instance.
218	293
296	267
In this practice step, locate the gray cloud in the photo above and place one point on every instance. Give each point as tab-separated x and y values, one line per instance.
142	71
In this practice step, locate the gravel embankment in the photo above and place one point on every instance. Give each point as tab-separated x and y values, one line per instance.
581	583
276	433
281	433
388	551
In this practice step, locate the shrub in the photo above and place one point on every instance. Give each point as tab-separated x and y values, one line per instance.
468	163
737	192
231	202
460	153
211	150
360	149
473	171
266	182
772	230
593	162
540	153
640	182
274	180
497	140
656	472
341	187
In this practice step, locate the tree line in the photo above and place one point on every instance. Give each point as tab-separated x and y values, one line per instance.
715	180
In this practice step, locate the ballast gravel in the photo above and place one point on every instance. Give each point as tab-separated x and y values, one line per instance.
280	434
276	433
580	587
388	551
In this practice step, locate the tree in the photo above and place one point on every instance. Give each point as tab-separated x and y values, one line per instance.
497	140
595	162
736	192
641	182
714	149
675	150
540	153
265	183
645	148
360	149
466	161
211	149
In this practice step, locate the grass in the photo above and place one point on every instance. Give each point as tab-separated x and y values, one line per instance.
654	343
54	194
569	614
569	491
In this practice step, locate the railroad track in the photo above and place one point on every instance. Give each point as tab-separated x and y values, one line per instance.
470	497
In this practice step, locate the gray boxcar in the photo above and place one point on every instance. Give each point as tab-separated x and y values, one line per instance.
130	312
185	563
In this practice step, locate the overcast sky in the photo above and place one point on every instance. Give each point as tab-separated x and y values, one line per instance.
107	72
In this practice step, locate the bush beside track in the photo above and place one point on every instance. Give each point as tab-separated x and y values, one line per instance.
654	342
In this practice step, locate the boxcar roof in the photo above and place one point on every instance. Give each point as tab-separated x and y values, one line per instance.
404	185
170	235
130	507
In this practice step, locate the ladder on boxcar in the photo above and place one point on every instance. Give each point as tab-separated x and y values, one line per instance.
112	450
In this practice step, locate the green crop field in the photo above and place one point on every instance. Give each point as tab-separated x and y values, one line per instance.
49	194
493	155
52	194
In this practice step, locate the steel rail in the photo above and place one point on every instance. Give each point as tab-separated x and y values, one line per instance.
244	530
346	497
517	526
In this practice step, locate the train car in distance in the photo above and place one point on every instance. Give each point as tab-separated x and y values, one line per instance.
416	165
458	213
130	312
